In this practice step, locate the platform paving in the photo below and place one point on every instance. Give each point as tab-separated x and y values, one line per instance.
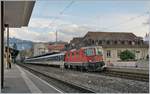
19	80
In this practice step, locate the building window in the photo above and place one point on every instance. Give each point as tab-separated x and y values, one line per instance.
100	42
122	42
108	42
96	42
138	42
118	53
108	53
92	41
5	56
137	51
115	42
133	43
130	42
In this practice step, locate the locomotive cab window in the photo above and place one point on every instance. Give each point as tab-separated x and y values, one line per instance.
89	52
99	51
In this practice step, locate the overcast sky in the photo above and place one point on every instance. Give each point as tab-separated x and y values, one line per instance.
76	18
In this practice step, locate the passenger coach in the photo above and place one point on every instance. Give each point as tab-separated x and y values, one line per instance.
49	59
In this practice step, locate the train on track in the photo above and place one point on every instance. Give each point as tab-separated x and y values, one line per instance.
85	58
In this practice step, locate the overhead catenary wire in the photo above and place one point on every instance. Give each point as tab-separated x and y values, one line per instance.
62	12
59	14
125	22
135	27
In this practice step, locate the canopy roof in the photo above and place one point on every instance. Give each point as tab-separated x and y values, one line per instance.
17	13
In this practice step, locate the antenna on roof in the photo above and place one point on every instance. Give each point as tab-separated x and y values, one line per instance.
56	36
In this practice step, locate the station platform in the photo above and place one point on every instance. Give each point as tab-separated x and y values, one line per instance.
19	80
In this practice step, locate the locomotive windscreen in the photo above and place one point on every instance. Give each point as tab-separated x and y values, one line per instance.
99	51
89	51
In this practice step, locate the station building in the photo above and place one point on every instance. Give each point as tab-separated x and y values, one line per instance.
113	43
56	47
39	48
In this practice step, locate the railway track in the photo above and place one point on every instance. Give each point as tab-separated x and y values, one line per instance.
66	86
117	73
127	75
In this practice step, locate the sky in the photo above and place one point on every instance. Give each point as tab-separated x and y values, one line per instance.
74	18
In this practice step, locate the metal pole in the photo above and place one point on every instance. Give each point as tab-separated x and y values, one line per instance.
7	35
2	44
149	41
56	36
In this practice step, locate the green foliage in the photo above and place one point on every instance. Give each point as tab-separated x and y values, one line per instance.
15	46
127	55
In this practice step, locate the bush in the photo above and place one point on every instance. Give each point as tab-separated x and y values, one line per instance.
127	55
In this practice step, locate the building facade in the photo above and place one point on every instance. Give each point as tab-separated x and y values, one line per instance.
40	48
56	47
113	43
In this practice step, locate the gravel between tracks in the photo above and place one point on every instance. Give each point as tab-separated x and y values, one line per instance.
97	82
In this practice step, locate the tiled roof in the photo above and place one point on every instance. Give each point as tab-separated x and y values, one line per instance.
76	40
111	36
110	40
56	47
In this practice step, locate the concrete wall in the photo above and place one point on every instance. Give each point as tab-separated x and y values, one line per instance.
124	64
140	53
143	63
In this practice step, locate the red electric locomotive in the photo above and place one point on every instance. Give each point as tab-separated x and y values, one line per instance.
87	58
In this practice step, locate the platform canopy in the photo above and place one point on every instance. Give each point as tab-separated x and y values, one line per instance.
17	13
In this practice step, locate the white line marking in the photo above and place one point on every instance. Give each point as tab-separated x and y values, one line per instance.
28	82
44	82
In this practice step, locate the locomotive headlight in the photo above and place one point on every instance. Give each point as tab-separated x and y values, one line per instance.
90	60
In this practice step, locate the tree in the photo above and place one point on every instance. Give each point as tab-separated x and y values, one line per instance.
15	46
127	55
